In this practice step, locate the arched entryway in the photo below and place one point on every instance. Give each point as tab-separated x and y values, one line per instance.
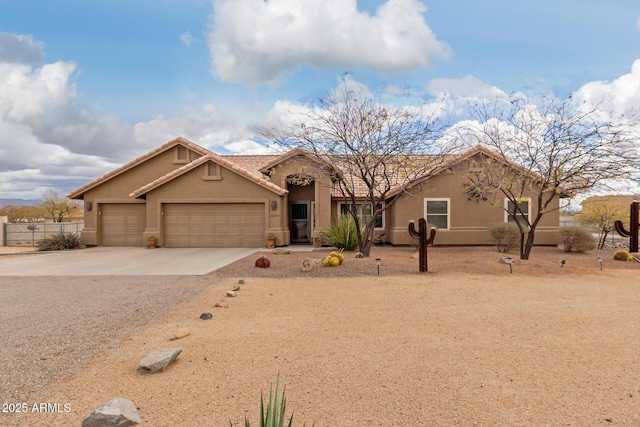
301	208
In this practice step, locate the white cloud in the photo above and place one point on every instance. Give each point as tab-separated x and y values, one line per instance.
257	42
28	94
638	24
187	39
466	87
19	49
49	139
617	99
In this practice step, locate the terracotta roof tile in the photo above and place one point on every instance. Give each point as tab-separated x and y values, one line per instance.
76	194
251	166
253	163
255	177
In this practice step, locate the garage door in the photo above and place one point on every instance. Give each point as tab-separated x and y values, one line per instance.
123	224
211	225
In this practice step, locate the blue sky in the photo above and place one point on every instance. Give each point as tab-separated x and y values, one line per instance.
86	86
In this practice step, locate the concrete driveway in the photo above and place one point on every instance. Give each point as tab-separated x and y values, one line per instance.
112	261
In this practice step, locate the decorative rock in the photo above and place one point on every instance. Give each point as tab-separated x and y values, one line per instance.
159	359
231	294
180	333
236	288
359	255
263	262
309	264
241	281
222	304
206	316
281	251
117	412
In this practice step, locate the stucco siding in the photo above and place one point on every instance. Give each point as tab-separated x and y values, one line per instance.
118	188
468	220
231	188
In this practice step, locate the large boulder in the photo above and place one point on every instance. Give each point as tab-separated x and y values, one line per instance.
117	412
159	359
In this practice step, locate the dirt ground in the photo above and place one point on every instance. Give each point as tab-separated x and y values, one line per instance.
468	343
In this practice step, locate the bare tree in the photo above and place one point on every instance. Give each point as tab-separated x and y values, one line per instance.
57	206
16	213
373	151
547	151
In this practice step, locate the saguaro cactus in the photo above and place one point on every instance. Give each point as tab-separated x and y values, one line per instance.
423	240
634	227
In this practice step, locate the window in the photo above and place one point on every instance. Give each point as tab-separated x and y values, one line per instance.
211	172
364	212
436	212
180	154
524	206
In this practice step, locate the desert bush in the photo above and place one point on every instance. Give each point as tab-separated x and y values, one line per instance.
622	255
59	242
506	236
577	239
342	233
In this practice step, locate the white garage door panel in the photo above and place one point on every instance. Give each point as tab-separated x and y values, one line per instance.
211	225
123	224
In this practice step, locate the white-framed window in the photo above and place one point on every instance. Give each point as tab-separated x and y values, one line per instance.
364	212
525	207
437	212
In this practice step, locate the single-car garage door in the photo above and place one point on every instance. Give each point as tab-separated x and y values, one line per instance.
213	225
123	224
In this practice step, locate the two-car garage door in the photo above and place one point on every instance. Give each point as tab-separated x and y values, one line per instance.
213	225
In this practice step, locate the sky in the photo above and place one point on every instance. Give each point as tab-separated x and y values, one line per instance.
87	86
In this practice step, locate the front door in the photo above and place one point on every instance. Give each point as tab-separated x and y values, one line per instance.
300	224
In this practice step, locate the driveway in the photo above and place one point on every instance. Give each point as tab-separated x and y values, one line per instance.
113	261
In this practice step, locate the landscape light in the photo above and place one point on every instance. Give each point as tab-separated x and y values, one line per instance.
600	261
378	264
509	261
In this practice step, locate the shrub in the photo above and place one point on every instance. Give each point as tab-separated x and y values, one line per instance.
622	255
59	242
342	234
274	415
506	236
577	239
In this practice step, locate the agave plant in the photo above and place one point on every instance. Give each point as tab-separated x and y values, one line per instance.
274	414
59	242
342	233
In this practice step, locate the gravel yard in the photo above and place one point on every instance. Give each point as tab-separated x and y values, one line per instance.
466	344
50	326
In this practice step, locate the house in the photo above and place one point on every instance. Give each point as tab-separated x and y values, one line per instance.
187	196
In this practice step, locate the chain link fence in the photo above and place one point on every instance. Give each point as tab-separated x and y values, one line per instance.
28	234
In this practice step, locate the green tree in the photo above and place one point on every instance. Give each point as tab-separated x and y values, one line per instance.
600	216
15	213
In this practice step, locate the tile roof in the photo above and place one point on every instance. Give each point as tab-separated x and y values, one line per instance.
254	163
234	167
79	192
251	167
